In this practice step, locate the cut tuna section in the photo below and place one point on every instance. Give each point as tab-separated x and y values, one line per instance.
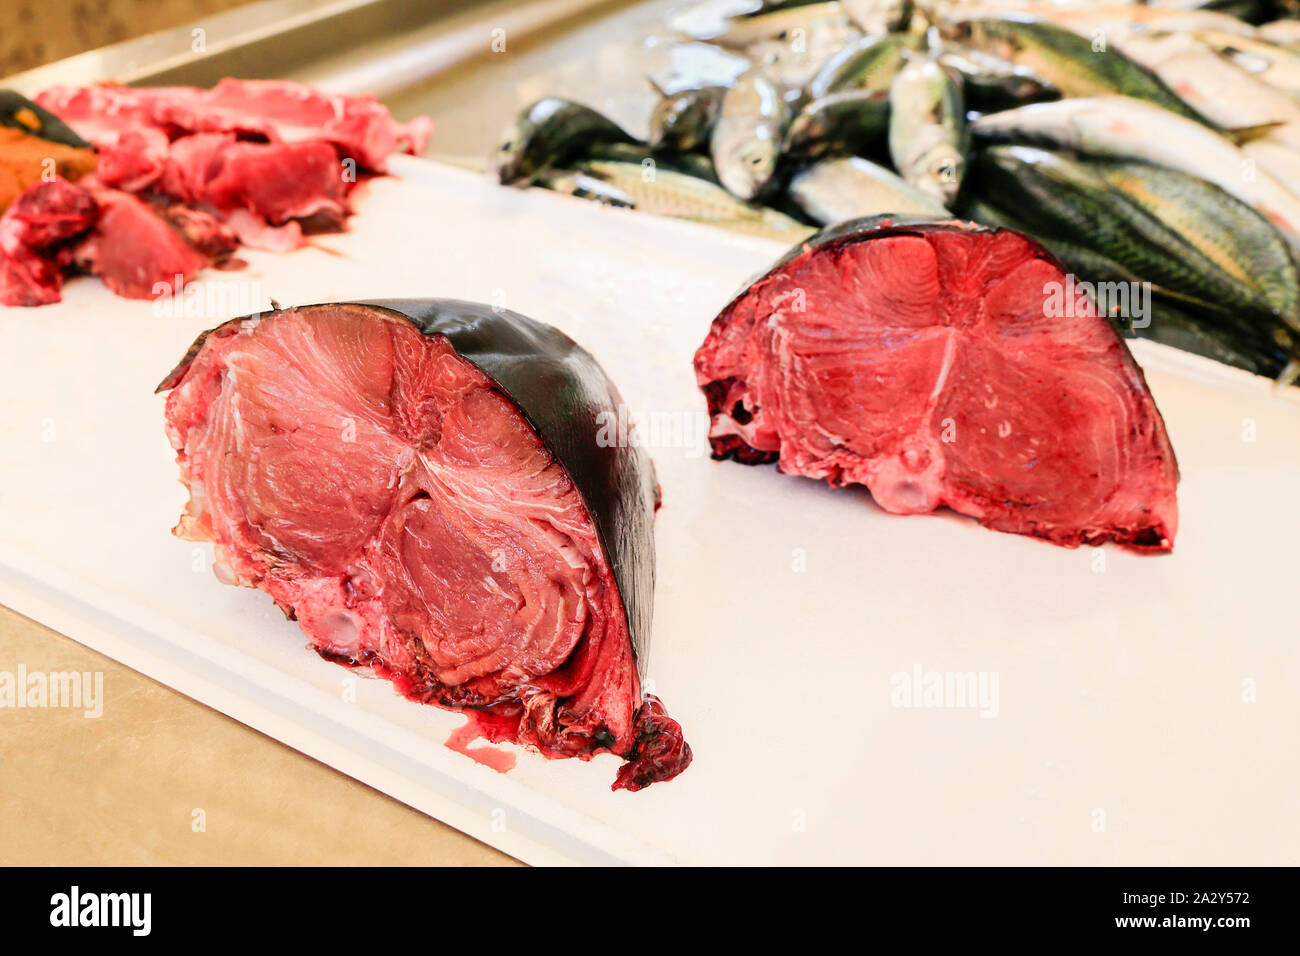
420	484
943	364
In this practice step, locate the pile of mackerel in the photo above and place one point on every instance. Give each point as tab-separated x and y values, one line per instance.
1153	148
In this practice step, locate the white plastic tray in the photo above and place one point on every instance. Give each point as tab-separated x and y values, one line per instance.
1124	730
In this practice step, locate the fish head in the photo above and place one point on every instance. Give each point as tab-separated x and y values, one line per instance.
942	169
751	168
1059	124
507	160
512	161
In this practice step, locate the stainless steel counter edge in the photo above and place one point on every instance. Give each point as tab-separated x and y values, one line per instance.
348	46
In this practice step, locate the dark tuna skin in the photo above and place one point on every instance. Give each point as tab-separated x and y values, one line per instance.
21	113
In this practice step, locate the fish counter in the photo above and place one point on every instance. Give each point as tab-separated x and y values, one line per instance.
1011	263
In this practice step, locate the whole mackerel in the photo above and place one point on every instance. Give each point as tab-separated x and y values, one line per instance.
1074	201
1117	127
1074	64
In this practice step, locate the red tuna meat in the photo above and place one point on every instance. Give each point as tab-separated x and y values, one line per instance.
280	110
922	361
420	485
34	231
134	161
279	181
134	250
191	163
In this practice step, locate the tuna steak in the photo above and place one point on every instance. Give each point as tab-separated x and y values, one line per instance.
942	364
420	485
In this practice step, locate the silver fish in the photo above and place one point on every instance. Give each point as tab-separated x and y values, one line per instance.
793	62
871	62
789	25
1285	33
927	129
747	136
1275	65
548	133
991	83
844	123
1281	162
836	190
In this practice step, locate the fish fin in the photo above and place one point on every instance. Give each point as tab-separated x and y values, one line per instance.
1183	298
1289	374
1240	135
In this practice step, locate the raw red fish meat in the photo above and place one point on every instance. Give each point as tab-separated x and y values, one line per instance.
420	484
35	236
926	362
249	161
279	111
134	250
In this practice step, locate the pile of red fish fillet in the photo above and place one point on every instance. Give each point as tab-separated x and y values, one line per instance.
186	176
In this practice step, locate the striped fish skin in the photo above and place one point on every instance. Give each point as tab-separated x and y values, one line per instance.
1177	320
1071	200
1076	65
1117	127
1232	235
665	192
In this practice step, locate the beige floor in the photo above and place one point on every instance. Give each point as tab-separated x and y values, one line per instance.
124	788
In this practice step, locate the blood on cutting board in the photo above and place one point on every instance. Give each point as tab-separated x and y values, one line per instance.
489	756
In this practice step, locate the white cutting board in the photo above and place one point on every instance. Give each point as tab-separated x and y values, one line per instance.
1147	707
